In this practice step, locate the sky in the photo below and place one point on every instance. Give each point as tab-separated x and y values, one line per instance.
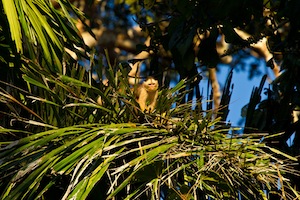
243	86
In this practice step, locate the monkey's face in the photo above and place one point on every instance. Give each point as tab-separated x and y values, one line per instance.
151	85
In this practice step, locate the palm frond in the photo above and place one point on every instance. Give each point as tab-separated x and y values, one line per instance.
135	160
37	25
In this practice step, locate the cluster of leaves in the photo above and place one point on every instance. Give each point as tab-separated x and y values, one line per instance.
35	35
100	151
188	157
274	19
280	111
39	23
187	19
73	147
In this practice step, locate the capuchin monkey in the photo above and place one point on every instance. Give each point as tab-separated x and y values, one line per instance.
146	94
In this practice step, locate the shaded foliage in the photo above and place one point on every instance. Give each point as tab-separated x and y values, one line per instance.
276	20
194	159
82	139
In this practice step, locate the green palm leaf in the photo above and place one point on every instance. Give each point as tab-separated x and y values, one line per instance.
35	23
14	24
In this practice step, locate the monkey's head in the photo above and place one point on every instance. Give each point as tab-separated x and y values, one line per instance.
150	84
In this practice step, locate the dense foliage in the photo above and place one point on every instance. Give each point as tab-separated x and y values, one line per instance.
276	20
58	142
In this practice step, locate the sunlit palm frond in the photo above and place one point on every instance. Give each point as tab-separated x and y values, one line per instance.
41	32
136	161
